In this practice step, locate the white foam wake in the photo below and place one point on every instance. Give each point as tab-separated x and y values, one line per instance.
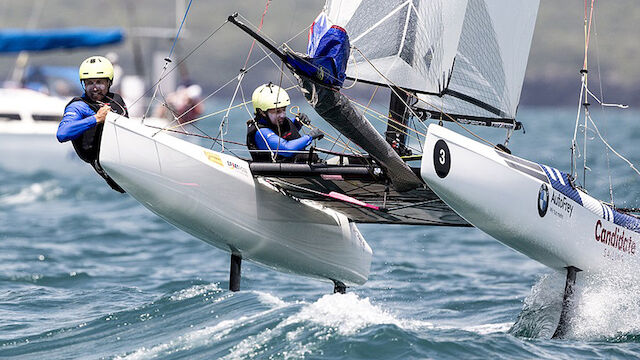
45	190
605	305
308	327
194	291
329	316
347	314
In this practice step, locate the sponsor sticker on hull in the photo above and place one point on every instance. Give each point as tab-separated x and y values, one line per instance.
554	202
561	206
618	239
543	200
237	167
214	158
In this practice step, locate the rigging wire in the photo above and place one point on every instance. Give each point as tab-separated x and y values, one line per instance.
184	18
611	148
410	94
167	60
602	109
225	118
163	75
585	93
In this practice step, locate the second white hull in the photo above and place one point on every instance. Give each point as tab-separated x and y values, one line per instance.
505	197
214	197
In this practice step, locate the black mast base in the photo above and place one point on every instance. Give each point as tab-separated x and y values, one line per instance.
567	301
339	287
234	273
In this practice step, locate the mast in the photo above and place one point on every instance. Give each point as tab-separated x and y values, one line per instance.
399	114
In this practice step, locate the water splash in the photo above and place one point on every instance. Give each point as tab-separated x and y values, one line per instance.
195	291
318	322
46	190
605	307
347	314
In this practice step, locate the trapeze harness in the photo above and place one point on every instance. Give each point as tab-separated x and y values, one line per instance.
288	131
87	145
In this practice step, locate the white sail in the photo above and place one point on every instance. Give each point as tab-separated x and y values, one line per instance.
409	43
491	60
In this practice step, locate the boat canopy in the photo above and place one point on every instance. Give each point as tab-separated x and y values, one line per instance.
466	58
16	40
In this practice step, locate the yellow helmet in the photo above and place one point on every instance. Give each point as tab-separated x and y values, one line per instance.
96	67
269	96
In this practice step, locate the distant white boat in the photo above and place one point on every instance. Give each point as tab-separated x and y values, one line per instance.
25	111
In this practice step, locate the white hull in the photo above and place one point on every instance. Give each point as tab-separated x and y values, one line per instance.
214	197
499	194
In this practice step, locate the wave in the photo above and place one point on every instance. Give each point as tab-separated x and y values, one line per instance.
278	328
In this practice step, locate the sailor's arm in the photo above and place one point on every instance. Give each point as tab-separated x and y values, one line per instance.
274	142
77	119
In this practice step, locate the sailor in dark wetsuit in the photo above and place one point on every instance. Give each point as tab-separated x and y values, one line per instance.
84	116
272	133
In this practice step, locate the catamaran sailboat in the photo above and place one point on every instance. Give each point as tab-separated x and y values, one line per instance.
459	61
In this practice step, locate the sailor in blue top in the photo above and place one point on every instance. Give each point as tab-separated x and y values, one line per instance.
272	133
84	116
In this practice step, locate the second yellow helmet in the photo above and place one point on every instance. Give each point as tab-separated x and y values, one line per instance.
269	96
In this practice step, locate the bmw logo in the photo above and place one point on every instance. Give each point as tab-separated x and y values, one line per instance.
543	200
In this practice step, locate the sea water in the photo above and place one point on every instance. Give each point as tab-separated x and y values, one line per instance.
87	273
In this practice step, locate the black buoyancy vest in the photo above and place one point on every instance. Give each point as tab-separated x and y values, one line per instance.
87	145
287	131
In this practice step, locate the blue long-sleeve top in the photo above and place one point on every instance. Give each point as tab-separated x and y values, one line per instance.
282	147
78	117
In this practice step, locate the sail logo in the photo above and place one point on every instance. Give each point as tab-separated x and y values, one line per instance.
543	200
615	239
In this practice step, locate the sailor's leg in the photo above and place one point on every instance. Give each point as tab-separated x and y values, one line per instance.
339	287
234	273
567	301
98	168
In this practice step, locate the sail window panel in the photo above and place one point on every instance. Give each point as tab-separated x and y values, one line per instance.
422	35
397	72
380	41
